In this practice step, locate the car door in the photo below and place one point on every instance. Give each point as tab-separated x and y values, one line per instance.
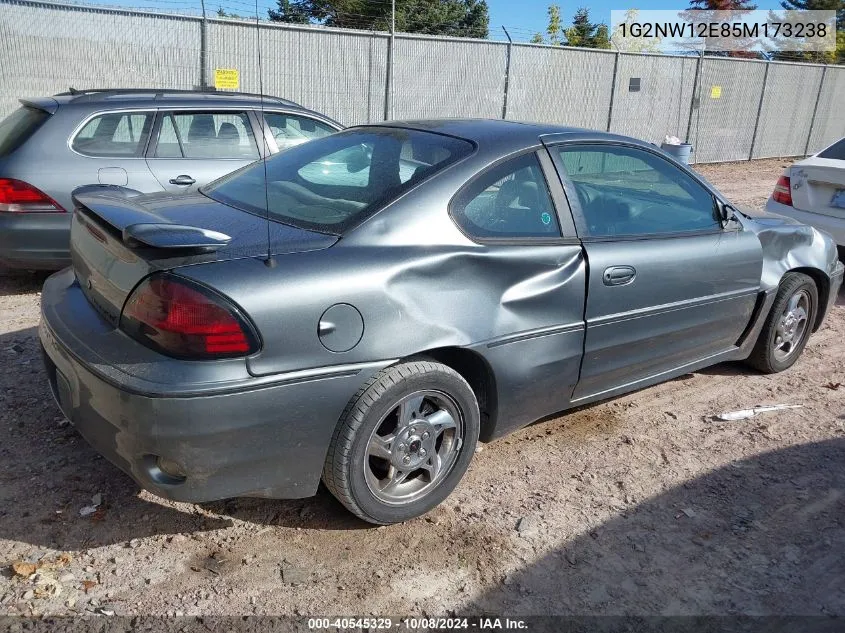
516	211
193	147
669	283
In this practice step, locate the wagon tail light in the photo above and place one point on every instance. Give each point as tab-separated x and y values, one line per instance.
783	191
17	196
186	320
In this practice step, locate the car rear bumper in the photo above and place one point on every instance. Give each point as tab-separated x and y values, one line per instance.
265	440
835	227
35	240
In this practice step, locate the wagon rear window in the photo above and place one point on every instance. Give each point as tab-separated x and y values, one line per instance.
334	182
120	134
16	128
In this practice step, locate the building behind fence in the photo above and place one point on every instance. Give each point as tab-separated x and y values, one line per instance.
729	109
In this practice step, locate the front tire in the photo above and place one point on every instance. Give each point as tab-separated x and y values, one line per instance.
403	442
788	325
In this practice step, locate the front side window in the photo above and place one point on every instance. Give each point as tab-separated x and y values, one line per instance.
206	135
334	182
511	200
625	191
290	129
118	135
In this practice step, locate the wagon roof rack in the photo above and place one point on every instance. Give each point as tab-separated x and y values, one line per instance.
164	92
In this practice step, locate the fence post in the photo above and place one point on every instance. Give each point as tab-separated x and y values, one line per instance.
203	49
507	75
815	110
388	88
612	89
696	95
759	110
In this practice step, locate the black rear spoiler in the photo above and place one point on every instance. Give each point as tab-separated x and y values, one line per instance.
139	227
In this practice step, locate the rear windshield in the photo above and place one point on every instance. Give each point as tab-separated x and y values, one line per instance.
16	128
332	183
835	151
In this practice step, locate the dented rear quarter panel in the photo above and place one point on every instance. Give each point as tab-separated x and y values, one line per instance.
421	285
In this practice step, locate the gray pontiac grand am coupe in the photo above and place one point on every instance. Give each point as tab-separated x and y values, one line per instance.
367	306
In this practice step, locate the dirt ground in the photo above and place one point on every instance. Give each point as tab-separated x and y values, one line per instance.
639	505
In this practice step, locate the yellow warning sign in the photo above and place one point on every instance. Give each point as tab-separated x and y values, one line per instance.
227	78
715	92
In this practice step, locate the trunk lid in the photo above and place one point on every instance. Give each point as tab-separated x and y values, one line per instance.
818	186
116	241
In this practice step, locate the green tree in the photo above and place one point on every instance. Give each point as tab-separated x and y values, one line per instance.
537	38
460	18
819	5
631	43
293	12
586	34
221	13
602	37
554	28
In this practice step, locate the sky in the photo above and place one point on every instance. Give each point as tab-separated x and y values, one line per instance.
525	17
522	18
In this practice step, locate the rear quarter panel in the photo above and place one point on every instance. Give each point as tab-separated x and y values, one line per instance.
47	161
420	284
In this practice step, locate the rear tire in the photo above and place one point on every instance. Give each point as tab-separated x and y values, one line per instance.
788	325
403	442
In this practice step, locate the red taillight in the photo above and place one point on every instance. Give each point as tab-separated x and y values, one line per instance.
186	321
17	196
783	192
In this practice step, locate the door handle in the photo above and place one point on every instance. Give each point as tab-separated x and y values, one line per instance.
619	275
184	179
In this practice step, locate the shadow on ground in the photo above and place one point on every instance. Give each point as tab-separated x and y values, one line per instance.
49	472
765	535
16	282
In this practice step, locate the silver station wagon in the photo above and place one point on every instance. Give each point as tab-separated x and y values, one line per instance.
147	140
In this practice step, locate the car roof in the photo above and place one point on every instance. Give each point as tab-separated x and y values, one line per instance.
126	98
162	96
507	134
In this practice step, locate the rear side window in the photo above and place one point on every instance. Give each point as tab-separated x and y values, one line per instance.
206	135
509	201
835	151
117	134
16	128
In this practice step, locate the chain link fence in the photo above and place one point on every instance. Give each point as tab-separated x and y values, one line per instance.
729	109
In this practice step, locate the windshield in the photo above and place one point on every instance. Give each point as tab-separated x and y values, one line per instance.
334	182
16	128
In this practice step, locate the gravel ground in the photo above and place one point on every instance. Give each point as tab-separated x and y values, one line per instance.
639	505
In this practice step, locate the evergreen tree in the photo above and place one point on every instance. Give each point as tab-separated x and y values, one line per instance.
819	5
460	18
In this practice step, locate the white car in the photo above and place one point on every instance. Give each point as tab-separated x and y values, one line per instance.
813	192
